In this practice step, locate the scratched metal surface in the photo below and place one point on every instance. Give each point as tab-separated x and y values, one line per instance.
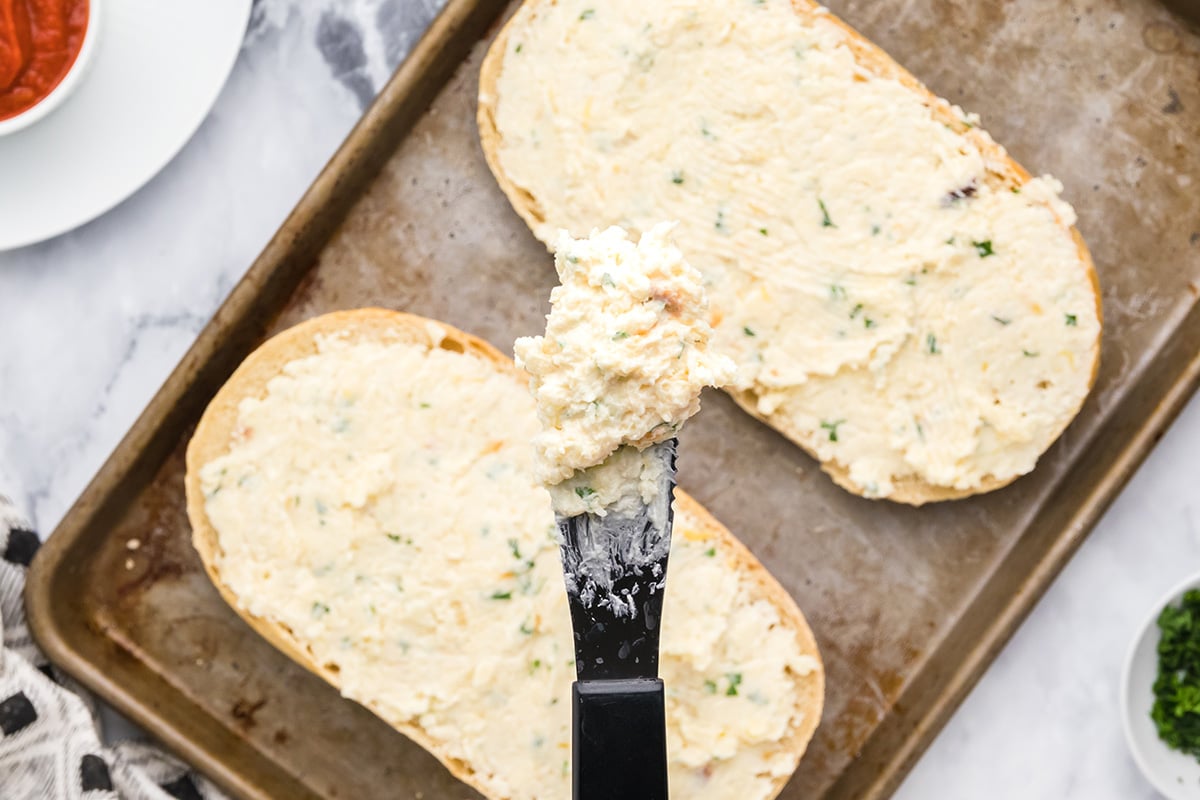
908	605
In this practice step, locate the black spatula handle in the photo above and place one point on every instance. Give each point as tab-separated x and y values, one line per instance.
620	747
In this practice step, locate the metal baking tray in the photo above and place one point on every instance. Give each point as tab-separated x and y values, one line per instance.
909	605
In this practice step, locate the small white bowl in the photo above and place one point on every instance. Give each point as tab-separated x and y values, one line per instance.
67	85
1175	775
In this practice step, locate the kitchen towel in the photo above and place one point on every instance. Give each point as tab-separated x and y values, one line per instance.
50	745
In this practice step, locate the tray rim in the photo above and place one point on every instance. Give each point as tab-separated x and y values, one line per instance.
1163	386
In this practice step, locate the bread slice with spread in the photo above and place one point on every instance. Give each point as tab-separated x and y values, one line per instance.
902	299
362	492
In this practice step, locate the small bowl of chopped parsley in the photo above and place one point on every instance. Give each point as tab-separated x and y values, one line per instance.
1160	694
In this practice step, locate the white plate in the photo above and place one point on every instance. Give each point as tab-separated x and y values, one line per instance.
159	65
1175	775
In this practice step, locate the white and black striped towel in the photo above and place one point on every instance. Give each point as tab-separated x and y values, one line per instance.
50	745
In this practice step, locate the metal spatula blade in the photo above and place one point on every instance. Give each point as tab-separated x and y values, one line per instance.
615	567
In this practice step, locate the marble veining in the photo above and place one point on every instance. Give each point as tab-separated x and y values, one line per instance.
92	322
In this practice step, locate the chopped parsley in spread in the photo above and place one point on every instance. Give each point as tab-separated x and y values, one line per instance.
832	427
826	222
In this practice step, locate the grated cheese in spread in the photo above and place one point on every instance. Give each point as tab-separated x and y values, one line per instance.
380	500
887	305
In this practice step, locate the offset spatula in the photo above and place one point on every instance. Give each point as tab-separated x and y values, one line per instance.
616	567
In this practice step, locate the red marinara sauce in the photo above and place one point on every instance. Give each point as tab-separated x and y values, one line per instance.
39	41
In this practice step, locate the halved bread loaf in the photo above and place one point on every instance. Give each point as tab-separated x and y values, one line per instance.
361	491
903	300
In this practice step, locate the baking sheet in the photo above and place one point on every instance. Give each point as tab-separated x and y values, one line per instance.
908	605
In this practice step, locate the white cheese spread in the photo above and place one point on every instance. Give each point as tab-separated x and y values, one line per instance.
625	356
380	501
887	306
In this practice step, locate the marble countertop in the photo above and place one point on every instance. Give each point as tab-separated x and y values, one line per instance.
91	323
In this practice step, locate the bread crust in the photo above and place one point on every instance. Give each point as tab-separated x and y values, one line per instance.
1003	172
213	437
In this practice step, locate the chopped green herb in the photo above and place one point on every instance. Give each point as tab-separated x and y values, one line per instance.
1072	320
826	222
911	280
931	344
319	610
875	229
395	537
710	687
1176	709
515	547
984	248
720	223
517	49
854	312
607	280
763	231
832	427
526	628
868	322
837	292
949	241
1002	320
584	492
499	595
1029	354
535	665
710	552
677	177
588	13
920	430
746	329
619	335
426	405
735	680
